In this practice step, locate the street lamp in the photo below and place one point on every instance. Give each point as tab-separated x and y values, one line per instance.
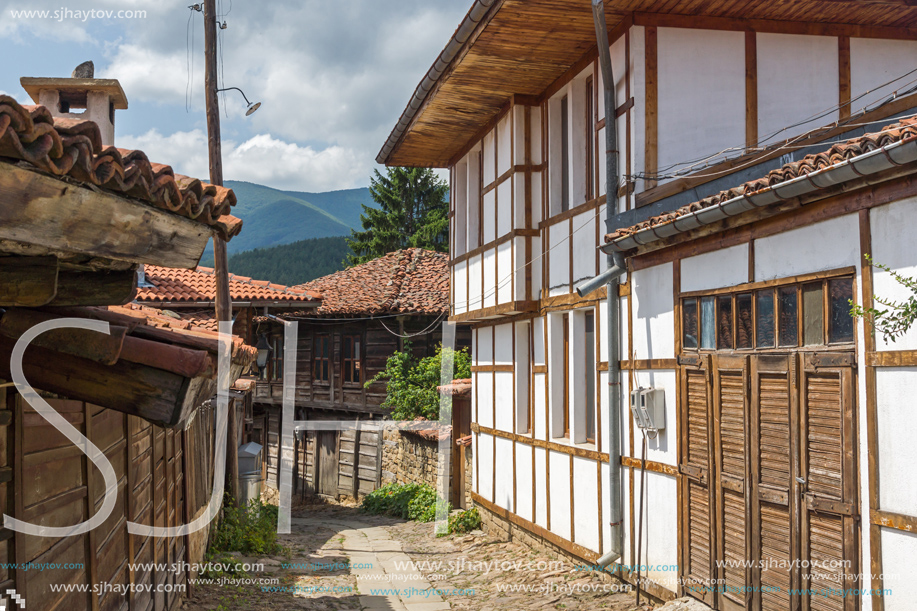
251	107
264	351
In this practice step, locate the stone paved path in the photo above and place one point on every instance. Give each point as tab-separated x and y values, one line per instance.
343	560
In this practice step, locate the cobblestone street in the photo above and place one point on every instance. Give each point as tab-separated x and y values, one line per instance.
341	558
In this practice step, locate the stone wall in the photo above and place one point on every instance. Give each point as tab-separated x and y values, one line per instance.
413	457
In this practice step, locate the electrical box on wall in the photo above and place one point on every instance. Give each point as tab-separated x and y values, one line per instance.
648	407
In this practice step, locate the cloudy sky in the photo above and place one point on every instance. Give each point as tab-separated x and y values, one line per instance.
333	77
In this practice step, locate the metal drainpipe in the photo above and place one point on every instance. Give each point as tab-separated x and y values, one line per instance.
617	264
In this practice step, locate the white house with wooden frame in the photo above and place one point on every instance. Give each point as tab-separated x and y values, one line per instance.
748	197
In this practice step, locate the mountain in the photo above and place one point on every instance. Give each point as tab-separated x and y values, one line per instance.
294	263
272	217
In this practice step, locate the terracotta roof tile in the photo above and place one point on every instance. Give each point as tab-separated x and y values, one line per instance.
73	148
190	286
810	163
410	281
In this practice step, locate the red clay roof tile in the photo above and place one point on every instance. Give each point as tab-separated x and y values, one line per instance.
73	148
191	286
410	281
838	153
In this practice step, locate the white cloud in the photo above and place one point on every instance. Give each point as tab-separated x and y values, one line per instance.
261	159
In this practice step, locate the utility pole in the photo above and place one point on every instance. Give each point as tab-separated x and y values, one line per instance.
220	264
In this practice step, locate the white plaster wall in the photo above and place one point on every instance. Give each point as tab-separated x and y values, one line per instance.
485	398
460	199
536	135
827	245
489	214
664	448
521	367
560	494
893	228
660	531
503	344
504	208
488	158
518	185
504	144
519	128
638	89
475	269
814	83
518	261
537	178
899	549
524	481
503	381
504	277
584	246
504	477
601	314
654	318
577	109
874	62
602	381
717	269
541	488
459	283
577	399
554	154
539	397
606	510
485	461
586	503
555	371
701	93
484	348
559	270
490	278
474	197
896	423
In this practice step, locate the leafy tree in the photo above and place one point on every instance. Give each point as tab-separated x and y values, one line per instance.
898	316
411	389
413	213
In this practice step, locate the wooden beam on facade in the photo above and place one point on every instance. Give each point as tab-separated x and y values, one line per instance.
100	288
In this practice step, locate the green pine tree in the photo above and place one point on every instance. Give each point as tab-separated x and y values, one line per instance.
413	213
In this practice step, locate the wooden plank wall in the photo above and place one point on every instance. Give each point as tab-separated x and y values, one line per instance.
47	480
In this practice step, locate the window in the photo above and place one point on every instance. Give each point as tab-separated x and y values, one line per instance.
322	358
566	398
351	359
590	376
564	155
590	140
814	313
277	358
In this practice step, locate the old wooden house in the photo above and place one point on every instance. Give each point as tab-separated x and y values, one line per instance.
762	149
367	313
78	217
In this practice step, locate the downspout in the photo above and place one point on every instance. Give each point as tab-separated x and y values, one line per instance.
616	267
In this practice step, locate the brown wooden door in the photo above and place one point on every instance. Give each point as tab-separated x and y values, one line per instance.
774	435
327	463
695	465
730	383
773	506
828	491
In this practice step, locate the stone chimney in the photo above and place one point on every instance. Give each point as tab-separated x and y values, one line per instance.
80	97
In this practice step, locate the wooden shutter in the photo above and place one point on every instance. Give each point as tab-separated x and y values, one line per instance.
773	385
829	493
731	435
698	534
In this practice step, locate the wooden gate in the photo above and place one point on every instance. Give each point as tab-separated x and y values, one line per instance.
769	480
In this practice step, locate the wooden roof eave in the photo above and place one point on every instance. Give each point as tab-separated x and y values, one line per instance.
62	216
493	65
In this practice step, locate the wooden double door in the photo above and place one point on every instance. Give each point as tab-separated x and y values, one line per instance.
768	489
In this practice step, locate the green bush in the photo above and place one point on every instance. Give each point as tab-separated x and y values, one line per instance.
249	530
411	384
465	521
408	501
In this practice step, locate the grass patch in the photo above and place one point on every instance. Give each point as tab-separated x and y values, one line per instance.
416	502
250	530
